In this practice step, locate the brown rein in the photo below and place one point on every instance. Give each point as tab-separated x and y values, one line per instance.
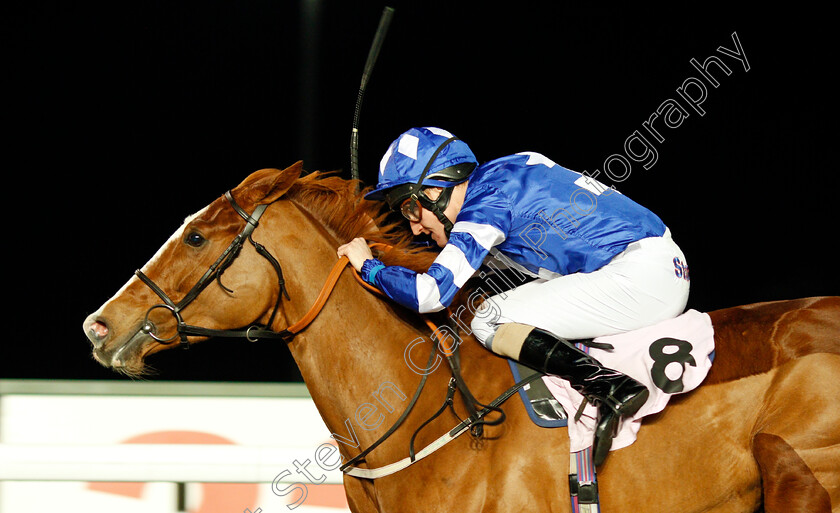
477	410
326	290
320	301
214	273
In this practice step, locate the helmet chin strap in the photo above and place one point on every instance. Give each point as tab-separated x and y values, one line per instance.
438	206
447	224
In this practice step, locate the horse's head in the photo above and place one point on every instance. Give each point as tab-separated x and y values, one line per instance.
206	274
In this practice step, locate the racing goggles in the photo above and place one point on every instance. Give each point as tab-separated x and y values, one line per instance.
412	207
411	210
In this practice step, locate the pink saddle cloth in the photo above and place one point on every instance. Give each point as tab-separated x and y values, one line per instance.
671	357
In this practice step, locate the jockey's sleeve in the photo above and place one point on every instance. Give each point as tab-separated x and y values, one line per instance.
482	223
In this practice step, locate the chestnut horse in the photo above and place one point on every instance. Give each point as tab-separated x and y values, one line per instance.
762	431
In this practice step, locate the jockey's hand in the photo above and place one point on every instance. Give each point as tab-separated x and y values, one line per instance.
357	251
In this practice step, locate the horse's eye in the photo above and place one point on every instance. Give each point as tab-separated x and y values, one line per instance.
194	239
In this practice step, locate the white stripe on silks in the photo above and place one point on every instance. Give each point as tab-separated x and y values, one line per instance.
485	235
535	158
507	263
456	261
439	131
547	275
384	161
408	146
428	294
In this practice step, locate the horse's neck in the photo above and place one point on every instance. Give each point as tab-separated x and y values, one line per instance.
351	355
351	358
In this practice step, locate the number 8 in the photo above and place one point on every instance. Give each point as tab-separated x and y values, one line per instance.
661	360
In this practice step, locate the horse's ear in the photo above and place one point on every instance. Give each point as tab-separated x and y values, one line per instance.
267	185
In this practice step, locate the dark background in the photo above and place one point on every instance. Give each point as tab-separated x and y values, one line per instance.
124	118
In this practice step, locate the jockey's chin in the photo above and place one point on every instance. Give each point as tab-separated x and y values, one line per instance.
431	227
439	238
436	231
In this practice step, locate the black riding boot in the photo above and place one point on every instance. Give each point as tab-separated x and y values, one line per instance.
615	394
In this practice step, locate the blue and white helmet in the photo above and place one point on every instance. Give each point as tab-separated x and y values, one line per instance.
408	157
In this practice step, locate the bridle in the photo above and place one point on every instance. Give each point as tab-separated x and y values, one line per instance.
214	272
254	332
477	410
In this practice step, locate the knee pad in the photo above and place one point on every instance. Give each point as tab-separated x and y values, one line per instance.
485	321
509	338
483	331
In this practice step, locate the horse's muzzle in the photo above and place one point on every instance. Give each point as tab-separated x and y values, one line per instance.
96	330
108	349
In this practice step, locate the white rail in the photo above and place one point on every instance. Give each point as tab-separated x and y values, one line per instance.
179	463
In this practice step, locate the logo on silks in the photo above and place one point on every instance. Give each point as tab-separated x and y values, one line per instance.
681	269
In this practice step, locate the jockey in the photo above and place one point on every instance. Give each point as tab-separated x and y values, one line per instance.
602	263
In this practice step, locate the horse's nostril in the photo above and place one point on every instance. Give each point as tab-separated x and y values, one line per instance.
99	329
96	330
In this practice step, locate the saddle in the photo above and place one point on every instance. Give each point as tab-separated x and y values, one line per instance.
542	407
670	357
650	355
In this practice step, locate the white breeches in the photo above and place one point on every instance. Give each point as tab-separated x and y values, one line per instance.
640	286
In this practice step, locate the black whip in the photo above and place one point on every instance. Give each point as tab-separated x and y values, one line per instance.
379	38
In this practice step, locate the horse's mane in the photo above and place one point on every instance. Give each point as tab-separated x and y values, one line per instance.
340	206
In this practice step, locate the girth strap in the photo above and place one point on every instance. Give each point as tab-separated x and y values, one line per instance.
583	482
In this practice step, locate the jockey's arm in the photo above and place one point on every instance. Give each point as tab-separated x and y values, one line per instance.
433	290
357	251
480	226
